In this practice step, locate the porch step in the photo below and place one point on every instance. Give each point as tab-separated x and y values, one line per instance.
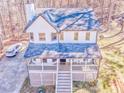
67	81
65	75
64	82
63	86
63	91
63	78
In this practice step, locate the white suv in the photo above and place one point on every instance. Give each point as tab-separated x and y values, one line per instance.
13	50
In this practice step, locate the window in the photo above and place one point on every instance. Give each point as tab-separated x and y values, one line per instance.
54	36
61	36
76	36
87	35
62	61
31	36
42	36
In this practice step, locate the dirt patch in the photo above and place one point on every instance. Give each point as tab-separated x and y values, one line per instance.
28	89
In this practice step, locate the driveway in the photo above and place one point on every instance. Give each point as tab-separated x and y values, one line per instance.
13	72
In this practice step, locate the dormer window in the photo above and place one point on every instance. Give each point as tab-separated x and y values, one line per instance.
76	36
61	36
31	36
87	35
42	36
54	36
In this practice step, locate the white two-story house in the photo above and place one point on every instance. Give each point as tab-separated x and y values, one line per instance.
63	48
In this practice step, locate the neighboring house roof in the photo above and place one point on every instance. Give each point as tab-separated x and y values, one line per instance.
69	19
63	49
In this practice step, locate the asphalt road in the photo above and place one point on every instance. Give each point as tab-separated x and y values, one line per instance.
13	72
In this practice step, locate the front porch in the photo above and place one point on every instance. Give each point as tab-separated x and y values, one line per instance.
45	71
75	64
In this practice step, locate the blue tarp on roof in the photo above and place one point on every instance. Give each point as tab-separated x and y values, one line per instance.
71	19
35	49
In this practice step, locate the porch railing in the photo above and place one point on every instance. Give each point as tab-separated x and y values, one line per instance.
44	67
77	65
85	68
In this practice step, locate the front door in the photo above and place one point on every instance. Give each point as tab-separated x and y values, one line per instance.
64	66
62	61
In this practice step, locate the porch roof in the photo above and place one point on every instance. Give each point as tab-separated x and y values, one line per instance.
63	50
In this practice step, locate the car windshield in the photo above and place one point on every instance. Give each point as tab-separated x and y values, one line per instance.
17	46
10	50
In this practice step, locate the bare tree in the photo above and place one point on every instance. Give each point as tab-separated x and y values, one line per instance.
101	2
111	8
10	17
2	26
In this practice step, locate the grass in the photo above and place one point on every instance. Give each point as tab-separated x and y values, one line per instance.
86	87
111	65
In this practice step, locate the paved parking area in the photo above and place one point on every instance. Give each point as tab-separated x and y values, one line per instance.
13	72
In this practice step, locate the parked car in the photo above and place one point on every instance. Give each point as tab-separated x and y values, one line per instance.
13	50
